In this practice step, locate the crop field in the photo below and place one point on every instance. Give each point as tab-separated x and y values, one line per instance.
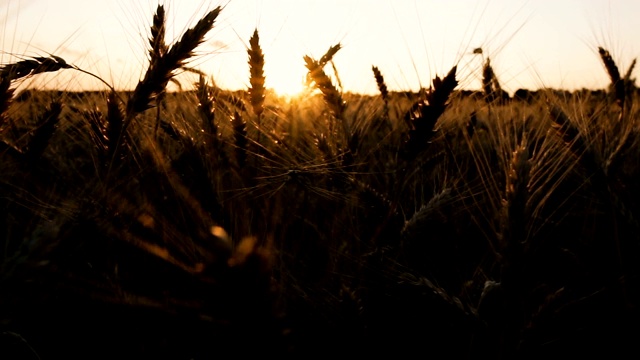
202	223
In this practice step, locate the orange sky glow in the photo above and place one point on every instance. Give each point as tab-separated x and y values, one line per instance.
532	44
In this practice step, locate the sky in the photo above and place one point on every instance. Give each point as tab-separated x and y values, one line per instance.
531	44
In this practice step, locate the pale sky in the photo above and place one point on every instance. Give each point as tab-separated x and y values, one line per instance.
532	44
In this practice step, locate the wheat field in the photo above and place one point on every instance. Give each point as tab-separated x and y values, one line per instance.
206	222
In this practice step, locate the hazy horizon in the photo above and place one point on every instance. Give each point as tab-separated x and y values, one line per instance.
532	44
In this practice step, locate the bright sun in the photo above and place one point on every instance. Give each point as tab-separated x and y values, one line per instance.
284	85
285	80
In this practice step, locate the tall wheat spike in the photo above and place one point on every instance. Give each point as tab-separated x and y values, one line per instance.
158	48
424	114
206	107
257	79
161	68
614	74
157	40
384	91
487	81
316	74
382	87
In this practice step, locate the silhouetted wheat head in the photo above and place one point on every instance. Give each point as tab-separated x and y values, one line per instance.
256	65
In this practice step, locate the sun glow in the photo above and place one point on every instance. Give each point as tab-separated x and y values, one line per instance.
284	81
286	88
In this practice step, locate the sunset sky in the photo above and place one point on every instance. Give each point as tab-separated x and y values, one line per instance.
532	44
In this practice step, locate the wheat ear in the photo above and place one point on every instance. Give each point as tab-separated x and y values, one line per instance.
256	65
33	66
157	40
328	56
424	114
614	75
116	137
161	68
487	81
382	87
332	96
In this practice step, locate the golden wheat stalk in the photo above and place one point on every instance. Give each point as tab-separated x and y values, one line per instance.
205	107
336	74
614	74
161	68
158	29
257	78
322	82
328	56
382	86
98	134
514	217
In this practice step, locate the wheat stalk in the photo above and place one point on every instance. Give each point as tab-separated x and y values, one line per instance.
256	65
627	75
158	29
424	114
44	132
161	67
33	66
487	81
566	130
336	74
205	107
614	74
116	136
328	56
514	217
384	91
382	87
331	95
98	135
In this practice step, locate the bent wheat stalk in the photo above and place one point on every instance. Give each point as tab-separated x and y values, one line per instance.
162	67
